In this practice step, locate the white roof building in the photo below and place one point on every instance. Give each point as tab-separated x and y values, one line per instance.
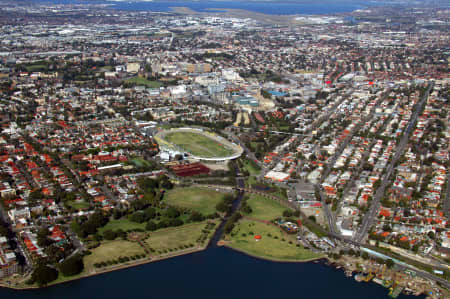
277	176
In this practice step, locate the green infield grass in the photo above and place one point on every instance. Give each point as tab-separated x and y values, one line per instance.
198	144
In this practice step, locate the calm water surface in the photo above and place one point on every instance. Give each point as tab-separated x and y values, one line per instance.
281	8
214	273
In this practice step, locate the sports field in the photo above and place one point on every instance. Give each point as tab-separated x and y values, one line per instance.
201	200
198	144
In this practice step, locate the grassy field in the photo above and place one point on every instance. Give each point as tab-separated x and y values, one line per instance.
199	199
250	181
263	208
123	224
315	229
61	278
139	162
198	145
79	205
111	250
145	82
175	237
37	68
271	245
251	167
280	192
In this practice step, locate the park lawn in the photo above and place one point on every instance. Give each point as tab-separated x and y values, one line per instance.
198	144
201	200
174	237
122	223
79	205
251	167
139	162
61	278
264	208
251	181
268	247
144	81
111	250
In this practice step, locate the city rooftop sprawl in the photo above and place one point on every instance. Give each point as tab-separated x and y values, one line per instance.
344	118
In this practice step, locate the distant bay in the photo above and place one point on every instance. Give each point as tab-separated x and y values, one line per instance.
217	272
277	8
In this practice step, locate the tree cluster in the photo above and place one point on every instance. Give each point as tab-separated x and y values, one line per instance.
225	204
72	266
84	227
229	225
43	274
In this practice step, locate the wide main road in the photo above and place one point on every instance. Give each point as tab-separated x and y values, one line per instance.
371	214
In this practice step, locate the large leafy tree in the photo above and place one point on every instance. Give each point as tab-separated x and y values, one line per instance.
44	274
72	266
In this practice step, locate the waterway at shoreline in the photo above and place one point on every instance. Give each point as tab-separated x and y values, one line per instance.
208	274
108	270
157	259
235	206
262	7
